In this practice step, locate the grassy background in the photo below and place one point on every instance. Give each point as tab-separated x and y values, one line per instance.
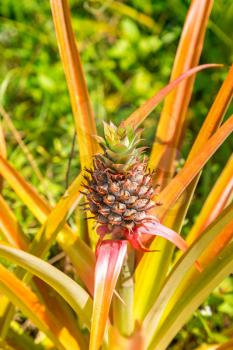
126	58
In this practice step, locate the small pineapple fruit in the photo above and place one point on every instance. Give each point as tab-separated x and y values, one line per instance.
119	189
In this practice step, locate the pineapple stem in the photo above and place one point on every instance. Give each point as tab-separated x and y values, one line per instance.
123	313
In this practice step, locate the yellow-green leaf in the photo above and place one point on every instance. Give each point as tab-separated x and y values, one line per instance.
192	298
30	305
180	269
75	295
80	254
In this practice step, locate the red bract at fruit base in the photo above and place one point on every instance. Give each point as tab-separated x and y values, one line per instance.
133	293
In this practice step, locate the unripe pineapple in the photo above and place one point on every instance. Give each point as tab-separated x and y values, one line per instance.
119	187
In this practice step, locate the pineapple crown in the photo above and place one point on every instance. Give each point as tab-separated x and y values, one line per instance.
120	146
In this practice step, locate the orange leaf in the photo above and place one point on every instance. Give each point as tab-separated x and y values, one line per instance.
215	115
110	258
170	127
224	236
38	312
210	125
180	182
80	254
215	202
2	151
83	114
10	227
118	342
137	117
14	236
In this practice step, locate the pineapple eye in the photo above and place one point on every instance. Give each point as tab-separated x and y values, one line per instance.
109	199
131	200
102	189
129	214
124	195
130	186
118	208
142	191
141	215
115	219
104	210
141	203
114	187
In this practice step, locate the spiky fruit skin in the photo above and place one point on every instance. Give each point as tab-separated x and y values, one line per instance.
119	189
120	199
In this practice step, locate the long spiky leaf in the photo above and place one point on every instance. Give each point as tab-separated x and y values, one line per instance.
109	262
75	295
179	183
137	117
171	123
79	253
80	101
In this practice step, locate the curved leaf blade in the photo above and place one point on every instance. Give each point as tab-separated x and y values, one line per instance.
179	183
28	302
215	202
193	296
79	253
80	101
75	296
10	228
110	258
171	123
3	151
144	283
14	236
180	269
137	117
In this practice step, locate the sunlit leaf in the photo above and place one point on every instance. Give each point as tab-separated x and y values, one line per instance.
82	110
75	296
215	202
179	271
10	227
210	125
2	150
55	222
30	305
179	183
15	237
110	258
158	265
192	298
211	253
171	123
137	117
79	253
144	282
118	342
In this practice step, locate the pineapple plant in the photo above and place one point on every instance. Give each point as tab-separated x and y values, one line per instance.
121	299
